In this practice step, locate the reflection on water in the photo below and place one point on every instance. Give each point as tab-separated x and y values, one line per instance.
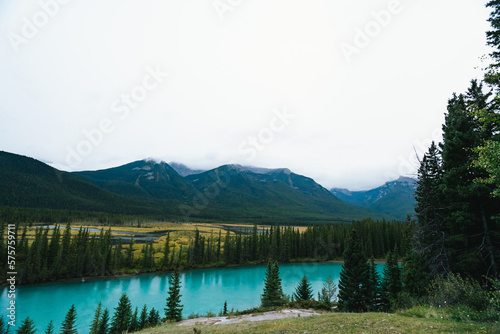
202	291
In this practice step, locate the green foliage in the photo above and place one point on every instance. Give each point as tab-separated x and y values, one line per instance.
224	310
354	280
373	288
122	316
50	328
392	284
154	318
416	277
273	292
304	290
455	290
134	321
27	327
173	311
94	327
143	319
104	323
328	292
68	326
4	326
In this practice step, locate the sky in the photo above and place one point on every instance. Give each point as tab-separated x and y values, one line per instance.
346	92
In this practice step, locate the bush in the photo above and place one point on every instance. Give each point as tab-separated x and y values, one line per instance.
454	290
406	301
209	314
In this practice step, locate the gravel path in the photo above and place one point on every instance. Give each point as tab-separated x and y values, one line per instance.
249	317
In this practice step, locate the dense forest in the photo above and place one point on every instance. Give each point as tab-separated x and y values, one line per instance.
58	254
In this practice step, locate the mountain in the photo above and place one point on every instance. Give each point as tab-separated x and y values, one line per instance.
395	198
184	170
147	180
26	182
151	188
278	195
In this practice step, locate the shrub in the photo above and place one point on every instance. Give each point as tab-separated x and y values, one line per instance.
455	290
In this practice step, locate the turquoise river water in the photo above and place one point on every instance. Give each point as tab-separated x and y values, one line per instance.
202	291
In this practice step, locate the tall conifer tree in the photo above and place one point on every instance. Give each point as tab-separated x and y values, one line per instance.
353	285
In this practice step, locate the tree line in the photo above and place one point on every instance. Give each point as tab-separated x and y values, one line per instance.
458	190
58	254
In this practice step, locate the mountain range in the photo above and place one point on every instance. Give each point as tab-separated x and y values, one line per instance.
396	198
174	191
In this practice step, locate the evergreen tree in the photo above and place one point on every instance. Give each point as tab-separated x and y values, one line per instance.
173	311
154	318
94	327
353	292
134	322
50	328
373	287
430	235
166	252
4	326
304	290
27	327
68	325
130	254
416	276
392	283
273	292
122	316
469	206
327	295
493	39
224	310
104	323
143	319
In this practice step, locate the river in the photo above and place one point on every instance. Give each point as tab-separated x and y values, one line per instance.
202	290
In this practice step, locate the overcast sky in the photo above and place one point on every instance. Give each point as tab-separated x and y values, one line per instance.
338	90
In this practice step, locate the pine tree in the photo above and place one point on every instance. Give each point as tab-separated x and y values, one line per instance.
166	252
173	311
469	206
304	290
273	292
416	276
68	325
327	295
130	254
493	39
134	322
27	327
4	326
94	327
50	328
143	319
430	234
224	310
373	287
104	323
353	292
122	315
154	318
392	283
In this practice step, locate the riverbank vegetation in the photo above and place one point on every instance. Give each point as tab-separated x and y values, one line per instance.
44	254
